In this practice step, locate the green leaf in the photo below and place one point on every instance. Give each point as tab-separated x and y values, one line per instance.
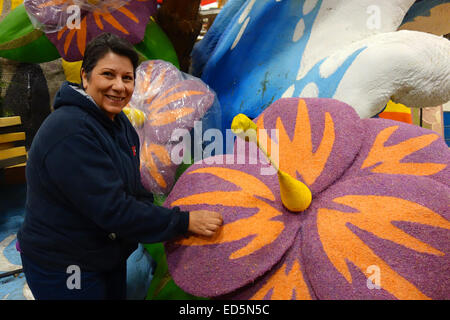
156	45
182	168
20	41
162	286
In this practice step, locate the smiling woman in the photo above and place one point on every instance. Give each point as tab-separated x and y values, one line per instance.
108	74
87	209
112	83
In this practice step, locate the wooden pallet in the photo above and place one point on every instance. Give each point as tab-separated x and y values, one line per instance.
13	154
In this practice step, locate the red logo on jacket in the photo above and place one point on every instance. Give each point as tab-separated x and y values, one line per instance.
134	150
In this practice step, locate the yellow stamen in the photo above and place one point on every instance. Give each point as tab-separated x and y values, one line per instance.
136	116
295	195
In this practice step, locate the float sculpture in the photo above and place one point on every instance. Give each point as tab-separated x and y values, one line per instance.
260	51
379	192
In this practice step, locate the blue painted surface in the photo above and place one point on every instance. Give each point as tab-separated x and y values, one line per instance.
264	63
327	86
266	60
447	127
203	49
422	8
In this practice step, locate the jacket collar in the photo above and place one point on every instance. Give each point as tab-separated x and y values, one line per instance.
71	94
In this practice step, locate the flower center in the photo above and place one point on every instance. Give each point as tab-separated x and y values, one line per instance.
295	195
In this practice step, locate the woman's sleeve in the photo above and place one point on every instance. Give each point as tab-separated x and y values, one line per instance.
86	178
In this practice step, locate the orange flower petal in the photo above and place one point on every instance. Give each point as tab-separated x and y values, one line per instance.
375	214
81	36
387	159
284	284
264	228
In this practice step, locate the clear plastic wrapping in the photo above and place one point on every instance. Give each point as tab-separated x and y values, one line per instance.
53	15
170	110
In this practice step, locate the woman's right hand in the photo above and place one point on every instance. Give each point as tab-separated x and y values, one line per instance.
204	222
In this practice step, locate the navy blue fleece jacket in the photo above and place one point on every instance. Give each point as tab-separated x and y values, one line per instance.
85	203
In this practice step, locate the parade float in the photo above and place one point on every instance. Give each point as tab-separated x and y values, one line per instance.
317	72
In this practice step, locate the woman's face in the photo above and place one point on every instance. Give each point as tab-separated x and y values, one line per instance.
111	83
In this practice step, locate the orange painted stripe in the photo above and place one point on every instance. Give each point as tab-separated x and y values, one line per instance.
264	227
389	159
397	116
148	75
81	36
69	40
284	283
297	155
375	215
147	159
158	104
129	14
166	93
61	32
156	83
98	21
166	117
51	3
113	22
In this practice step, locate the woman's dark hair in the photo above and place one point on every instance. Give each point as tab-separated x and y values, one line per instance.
98	47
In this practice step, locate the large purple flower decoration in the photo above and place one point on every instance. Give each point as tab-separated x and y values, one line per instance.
127	19
378	226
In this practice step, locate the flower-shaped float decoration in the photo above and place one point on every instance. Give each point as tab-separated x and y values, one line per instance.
164	100
127	18
380	208
39	31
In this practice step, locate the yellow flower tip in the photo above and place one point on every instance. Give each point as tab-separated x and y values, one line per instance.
126	110
242	123
72	70
136	116
243	127
295	195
